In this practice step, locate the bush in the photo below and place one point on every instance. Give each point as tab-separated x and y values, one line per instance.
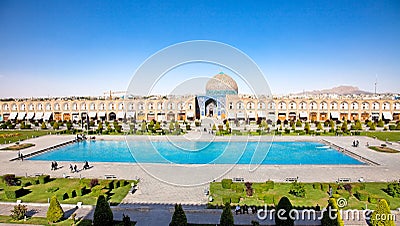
373	199
226	199
284	204
14	192
393	189
226	183
226	216
93	182
73	194
44	179
235	198
82	191
249	189
9	179
382	215
327	218
103	215
270	184
297	189
52	189
179	217
117	184
361	195
19	211
65	196
55	213
343	193
316	186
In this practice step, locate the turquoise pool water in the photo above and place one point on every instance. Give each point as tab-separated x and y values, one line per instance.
280	153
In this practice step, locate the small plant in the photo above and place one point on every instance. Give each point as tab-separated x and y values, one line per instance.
298	190
93	182
19	211
249	189
10	179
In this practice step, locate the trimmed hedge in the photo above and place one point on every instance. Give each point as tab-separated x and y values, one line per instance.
362	195
82	191
373	199
73	194
343	193
226	199
14	192
44	179
270	184
117	184
226	183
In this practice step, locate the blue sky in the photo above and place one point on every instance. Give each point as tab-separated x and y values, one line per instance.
63	48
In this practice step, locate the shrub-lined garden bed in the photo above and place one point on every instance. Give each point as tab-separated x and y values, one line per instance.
304	194
67	190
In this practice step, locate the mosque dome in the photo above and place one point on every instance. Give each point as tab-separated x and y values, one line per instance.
221	84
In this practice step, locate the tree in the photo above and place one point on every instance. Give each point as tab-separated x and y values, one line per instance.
319	126
214	127
69	125
179	217
382	215
56	126
307	127
381	123
332	125
298	123
144	127
171	126
283	208
102	213
100	127
357	125
331	217
44	125
226	216
372	127
19	211
344	126
55	213
157	126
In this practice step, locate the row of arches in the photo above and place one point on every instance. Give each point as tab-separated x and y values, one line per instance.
96	106
314	105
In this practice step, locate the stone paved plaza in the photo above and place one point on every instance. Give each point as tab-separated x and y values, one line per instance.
164	184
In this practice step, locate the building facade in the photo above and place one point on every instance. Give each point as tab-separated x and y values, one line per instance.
221	101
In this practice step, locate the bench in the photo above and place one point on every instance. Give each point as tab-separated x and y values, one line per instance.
291	179
79	204
343	180
109	176
38	174
238	179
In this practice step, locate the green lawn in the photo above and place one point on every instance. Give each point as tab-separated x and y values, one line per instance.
12	136
43	221
390	136
262	196
40	193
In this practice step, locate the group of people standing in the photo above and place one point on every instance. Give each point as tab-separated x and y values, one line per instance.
54	165
356	143
74	169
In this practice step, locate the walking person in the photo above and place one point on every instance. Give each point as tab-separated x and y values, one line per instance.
71	168
75	169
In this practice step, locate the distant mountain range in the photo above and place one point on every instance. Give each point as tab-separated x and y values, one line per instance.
339	90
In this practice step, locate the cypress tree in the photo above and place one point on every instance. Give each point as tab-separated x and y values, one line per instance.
226	216
179	217
55	213
283	219
103	215
327	220
385	217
